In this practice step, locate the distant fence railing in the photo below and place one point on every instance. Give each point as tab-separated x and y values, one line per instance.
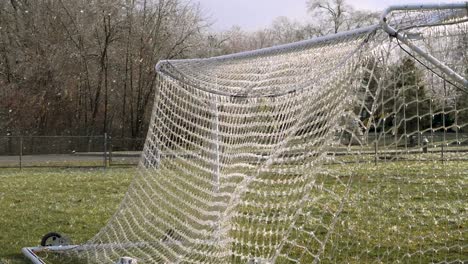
68	151
104	151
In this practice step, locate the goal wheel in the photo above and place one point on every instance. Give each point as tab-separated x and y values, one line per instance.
54	239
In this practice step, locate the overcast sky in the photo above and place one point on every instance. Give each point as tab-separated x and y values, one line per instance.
257	14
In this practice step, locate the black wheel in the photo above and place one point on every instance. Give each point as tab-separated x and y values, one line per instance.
53	239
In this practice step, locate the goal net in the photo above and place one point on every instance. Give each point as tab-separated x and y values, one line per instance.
350	148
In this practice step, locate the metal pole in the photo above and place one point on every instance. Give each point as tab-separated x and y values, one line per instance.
442	152
105	150
215	148
21	152
10	144
110	150
394	33
375	153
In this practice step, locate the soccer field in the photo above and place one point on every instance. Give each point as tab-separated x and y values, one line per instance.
74	202
392	210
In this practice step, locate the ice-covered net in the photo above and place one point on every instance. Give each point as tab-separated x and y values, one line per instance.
339	149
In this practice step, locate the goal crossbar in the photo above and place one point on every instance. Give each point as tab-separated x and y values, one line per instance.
434	61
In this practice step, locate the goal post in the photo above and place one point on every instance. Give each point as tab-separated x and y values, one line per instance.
434	61
349	148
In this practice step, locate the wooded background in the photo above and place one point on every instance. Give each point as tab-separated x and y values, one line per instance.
86	67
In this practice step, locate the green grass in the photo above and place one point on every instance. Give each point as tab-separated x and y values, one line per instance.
412	212
403	211
75	202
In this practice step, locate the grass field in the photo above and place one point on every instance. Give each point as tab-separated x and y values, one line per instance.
403	212
75	202
412	212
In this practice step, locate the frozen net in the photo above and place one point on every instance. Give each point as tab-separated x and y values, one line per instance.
339	149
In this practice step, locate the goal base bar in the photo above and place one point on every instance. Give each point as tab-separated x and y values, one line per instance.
30	252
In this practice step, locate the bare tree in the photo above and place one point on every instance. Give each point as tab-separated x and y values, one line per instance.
359	18
71	67
339	15
283	30
335	12
81	68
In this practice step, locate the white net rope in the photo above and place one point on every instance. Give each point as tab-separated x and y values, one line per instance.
339	149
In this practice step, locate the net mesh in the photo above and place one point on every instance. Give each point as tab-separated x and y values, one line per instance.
339	149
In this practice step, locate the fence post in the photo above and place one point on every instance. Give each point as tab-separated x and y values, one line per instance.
442	152
110	151
21	153
10	144
375	154
105	150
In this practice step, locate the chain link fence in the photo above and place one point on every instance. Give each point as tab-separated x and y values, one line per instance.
104	151
69	151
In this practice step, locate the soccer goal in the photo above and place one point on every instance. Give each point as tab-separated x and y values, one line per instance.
349	148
